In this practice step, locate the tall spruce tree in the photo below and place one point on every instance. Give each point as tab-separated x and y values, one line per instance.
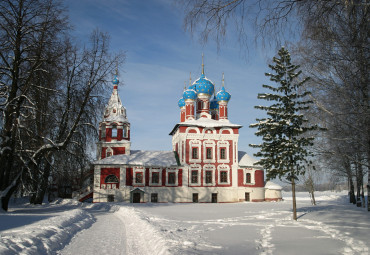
284	151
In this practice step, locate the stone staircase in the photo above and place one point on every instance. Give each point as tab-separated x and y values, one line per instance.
83	194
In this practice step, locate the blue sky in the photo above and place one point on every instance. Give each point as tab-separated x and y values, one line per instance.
159	57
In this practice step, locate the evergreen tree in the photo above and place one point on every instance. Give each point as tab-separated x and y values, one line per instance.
284	152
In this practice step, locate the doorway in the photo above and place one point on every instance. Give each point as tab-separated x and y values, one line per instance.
214	197
136	197
110	198
247	197
195	197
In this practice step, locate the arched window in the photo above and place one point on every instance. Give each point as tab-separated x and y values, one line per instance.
248	178
114	130
111	179
124	131
103	131
109	152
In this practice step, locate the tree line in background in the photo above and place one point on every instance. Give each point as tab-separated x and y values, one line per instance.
330	41
50	92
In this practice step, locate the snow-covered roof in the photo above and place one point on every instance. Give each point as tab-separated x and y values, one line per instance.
272	185
246	160
116	118
141	158
205	122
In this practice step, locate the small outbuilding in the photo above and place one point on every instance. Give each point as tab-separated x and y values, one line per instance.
273	192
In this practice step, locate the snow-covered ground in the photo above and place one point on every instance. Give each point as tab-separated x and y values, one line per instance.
69	227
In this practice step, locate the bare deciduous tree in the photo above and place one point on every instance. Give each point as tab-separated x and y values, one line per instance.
49	92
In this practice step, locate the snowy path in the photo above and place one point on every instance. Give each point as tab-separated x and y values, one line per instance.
106	236
117	230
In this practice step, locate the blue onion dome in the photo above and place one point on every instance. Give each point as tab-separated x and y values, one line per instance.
203	85
223	95
213	104
192	86
115	80
181	102
190	94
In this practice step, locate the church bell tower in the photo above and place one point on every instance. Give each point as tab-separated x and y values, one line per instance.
114	129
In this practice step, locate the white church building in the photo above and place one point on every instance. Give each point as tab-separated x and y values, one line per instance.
204	165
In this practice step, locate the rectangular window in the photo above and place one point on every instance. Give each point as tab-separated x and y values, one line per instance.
223	153
155	177
139	177
114	131
248	178
154	198
171	178
209	153
223	176
195	153
208	177
194	176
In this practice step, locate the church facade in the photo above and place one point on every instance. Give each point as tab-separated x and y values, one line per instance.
204	165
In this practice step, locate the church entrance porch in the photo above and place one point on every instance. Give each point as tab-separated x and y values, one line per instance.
137	195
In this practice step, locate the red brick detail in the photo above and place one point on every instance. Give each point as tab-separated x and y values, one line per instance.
129	176
183	129
103	152
240	177
225	132
180	177
108	135
104	172
231	176
119	150
119	134
189	110
259	178
258	200
164	177
147	177
231	151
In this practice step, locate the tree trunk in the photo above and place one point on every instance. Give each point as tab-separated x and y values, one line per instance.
368	191
42	185
358	184
363	195
294	201
313	198
352	198
8	192
351	193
